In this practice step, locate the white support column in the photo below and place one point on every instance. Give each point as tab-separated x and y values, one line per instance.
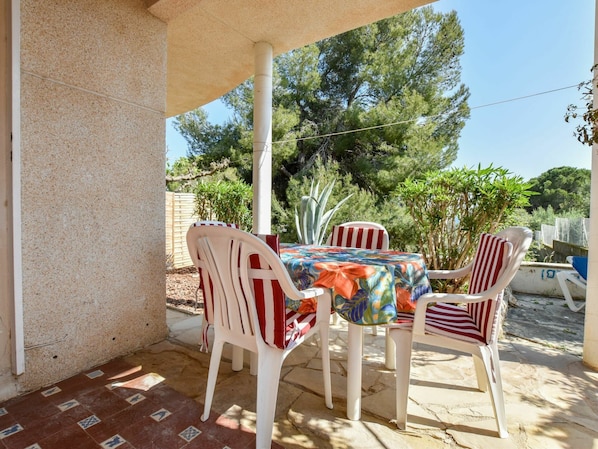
262	139
590	339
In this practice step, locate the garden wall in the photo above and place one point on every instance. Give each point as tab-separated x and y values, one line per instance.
180	215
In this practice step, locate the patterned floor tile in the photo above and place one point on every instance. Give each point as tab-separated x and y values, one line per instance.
68	405
190	433
160	415
11	430
135	399
95	374
51	391
113	441
86	423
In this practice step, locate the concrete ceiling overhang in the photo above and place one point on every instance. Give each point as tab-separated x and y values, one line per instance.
210	42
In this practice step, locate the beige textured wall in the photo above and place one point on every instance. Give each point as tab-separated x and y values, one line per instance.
93	77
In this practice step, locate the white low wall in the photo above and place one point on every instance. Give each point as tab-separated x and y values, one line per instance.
540	279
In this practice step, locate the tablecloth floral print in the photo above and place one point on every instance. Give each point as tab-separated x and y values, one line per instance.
368	286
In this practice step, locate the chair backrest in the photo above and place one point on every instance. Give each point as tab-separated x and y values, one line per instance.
495	263
359	234
205	283
249	302
580	264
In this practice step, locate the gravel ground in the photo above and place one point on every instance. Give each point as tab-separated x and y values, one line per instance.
181	288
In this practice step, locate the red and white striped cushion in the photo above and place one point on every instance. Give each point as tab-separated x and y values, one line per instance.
357	237
489	263
279	326
478	322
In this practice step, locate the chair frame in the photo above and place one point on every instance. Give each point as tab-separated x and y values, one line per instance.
574	277
224	252
485	356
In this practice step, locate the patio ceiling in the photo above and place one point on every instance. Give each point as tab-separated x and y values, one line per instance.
210	42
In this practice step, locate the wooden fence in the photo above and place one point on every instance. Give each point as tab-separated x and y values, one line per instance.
179	216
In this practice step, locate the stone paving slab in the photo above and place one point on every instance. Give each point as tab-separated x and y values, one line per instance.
551	397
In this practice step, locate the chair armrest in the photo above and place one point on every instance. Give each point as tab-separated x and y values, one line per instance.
309	293
450	274
324	301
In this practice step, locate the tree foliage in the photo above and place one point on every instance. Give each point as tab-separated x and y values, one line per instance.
225	201
397	81
452	208
563	189
585	132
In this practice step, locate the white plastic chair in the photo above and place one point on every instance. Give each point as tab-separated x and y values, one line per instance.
577	276
468	323
250	283
205	284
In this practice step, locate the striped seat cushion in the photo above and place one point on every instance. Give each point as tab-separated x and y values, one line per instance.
478	322
280	327
357	237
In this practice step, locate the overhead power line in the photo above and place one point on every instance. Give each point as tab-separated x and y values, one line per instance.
402	122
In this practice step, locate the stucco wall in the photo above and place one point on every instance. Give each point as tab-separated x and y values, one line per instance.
93	77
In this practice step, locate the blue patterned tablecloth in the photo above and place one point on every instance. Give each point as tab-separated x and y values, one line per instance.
368	286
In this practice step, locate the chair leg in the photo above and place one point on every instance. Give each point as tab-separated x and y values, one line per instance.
237	358
203	340
334	318
402	340
268	379
375	330
253	363
325	351
212	375
390	358
480	371
491	364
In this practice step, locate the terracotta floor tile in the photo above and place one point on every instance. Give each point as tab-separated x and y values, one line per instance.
207	442
79	383
188	414
228	431
118	368
74	414
168	397
70	436
103	403
141	382
32	434
149	434
7	420
34	407
121	420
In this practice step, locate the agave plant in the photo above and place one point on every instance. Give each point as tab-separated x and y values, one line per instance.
311	220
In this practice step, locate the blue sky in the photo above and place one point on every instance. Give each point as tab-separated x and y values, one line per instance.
513	49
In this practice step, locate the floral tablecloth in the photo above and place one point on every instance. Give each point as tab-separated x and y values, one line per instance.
368	286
